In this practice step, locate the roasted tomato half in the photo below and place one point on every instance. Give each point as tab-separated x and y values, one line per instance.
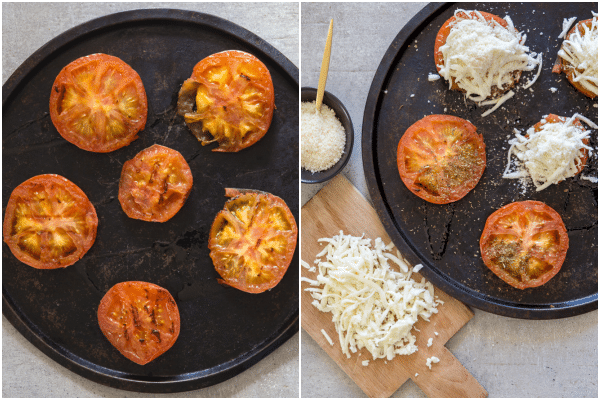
229	99
98	103
252	240
552	119
140	319
442	37
155	184
524	243
49	222
565	66
441	158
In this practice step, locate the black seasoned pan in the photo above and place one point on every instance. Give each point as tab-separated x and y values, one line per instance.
223	331
445	238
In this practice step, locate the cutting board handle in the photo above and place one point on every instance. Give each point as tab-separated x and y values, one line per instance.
449	378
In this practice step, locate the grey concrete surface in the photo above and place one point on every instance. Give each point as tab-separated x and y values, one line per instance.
26	371
509	357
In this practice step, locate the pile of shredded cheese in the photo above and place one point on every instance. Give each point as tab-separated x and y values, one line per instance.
373	306
322	137
549	155
581	52
480	54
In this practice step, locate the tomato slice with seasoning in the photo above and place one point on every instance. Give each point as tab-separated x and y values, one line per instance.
155	184
252	240
229	99
441	158
49	222
553	119
563	65
140	319
524	243
443	34
98	103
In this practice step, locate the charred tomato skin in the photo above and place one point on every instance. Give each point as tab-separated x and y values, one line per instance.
524	243
441	158
155	184
252	240
98	103
566	67
228	99
139	319
49	222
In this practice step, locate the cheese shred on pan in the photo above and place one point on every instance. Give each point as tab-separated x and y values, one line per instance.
549	155
373	306
581	51
480	54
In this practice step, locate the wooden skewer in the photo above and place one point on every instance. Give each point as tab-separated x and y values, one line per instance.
324	67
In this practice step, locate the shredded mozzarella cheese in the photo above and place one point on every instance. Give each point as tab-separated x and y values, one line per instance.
581	52
327	336
549	155
430	360
373	306
480	54
566	26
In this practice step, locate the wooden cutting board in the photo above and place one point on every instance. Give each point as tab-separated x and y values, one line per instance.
340	206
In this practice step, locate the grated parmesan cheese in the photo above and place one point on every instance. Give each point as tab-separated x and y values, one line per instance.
581	52
550	155
373	306
430	360
322	137
480	54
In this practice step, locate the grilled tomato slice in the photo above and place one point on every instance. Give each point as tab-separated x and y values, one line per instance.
49	222
98	103
566	66
524	243
155	184
441	158
252	240
140	319
229	99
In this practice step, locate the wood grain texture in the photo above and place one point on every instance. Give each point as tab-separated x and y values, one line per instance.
339	206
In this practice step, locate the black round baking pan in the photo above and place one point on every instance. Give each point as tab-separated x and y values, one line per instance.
445	238
223	331
310	94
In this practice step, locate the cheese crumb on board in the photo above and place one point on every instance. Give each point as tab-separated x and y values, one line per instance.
430	342
581	52
430	360
416	374
553	89
322	137
373	306
433	77
550	155
365	363
327	336
480	54
435	333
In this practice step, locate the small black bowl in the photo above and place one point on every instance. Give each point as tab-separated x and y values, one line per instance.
310	94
